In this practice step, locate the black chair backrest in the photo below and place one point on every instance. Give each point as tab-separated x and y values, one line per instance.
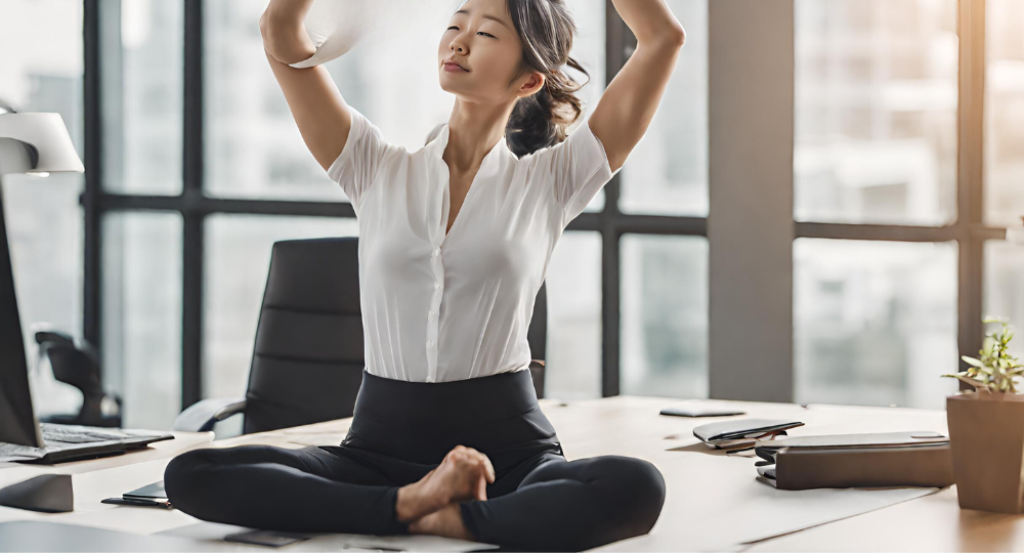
308	358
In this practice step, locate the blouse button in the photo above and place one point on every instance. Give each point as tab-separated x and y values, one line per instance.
437	285
430	342
435	252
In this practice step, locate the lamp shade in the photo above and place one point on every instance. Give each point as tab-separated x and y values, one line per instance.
48	135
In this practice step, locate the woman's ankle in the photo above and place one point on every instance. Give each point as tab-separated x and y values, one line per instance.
412	504
446	521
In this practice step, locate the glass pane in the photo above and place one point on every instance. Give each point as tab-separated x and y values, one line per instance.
254	148
142	286
1004	113
597	204
588	49
42	72
44	226
1004	289
142	56
667	172
876	105
237	258
573	369
665	316
876	322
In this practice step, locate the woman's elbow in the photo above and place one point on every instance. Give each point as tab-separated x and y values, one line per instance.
285	40
669	35
676	35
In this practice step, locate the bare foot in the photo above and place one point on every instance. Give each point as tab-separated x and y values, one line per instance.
463	474
446	521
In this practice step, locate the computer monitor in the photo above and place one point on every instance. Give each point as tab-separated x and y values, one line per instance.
18	423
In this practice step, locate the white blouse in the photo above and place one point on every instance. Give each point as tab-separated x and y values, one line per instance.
437	307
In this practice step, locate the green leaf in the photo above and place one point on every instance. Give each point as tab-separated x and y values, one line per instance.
975	383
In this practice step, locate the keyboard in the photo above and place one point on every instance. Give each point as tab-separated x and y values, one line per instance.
62	442
56	434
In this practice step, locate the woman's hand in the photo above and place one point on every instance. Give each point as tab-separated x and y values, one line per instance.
478	469
462	475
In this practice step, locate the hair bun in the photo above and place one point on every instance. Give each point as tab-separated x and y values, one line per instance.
538	121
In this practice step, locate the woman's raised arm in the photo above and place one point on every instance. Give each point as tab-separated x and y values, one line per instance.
323	117
627	106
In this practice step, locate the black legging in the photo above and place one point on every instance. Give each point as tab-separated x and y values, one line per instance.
400	431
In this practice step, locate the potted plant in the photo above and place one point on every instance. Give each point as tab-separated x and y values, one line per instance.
986	428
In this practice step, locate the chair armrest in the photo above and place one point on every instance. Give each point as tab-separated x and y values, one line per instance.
201	416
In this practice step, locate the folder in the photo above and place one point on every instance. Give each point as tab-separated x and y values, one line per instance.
743	432
891	459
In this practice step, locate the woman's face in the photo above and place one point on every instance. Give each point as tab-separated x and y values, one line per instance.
482	40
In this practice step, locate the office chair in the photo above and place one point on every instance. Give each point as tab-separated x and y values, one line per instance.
308	360
78	364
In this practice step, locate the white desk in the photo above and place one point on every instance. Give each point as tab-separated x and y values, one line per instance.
713	501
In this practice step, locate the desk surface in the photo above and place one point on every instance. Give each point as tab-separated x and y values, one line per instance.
713	503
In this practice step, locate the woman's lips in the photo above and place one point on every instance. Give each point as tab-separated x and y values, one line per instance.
448	66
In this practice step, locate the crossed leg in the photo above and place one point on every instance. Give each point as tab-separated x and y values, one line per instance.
569	505
300	490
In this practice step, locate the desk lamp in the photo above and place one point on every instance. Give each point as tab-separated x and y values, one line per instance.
30	143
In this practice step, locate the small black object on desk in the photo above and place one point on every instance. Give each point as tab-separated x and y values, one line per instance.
150	495
47	493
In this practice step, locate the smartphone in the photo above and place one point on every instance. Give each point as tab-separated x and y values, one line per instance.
699	411
137	502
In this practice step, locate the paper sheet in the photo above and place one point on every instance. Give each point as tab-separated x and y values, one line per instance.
336	26
212	532
716	503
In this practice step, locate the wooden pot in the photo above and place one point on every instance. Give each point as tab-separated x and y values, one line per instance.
986	436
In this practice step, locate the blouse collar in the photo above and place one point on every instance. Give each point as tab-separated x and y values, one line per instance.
491	160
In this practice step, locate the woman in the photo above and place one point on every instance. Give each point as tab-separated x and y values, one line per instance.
447	437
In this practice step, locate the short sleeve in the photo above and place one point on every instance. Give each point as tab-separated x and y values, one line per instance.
356	167
579	169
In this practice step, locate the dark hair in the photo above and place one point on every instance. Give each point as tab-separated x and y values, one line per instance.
546	30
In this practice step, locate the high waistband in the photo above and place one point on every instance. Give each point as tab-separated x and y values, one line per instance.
456	403
498	415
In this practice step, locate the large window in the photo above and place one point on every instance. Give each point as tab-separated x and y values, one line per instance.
42	71
875	322
887	142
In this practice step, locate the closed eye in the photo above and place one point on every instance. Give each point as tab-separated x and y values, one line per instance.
479	32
